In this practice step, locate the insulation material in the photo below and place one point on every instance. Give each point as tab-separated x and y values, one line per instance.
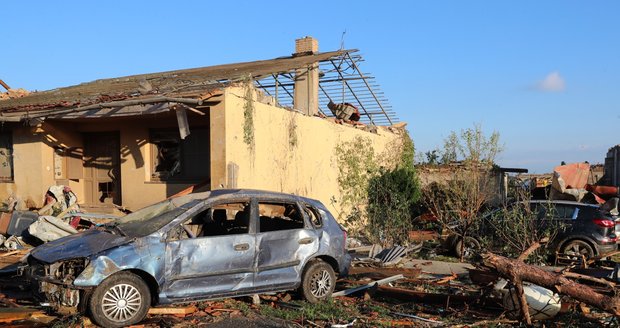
575	175
569	181
48	228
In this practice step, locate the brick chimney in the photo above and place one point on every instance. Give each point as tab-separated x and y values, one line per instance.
307	79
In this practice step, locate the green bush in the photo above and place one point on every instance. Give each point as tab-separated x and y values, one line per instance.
392	197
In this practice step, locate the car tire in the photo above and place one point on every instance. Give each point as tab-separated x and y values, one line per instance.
121	300
318	281
471	246
577	248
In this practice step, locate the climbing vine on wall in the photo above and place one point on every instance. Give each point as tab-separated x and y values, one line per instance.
356	165
377	192
248	113
292	131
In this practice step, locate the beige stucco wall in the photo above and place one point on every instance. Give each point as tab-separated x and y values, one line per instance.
292	153
29	168
308	168
33	161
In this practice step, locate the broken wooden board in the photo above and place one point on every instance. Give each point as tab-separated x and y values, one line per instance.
406	272
21	313
424	297
173	310
12	258
367	286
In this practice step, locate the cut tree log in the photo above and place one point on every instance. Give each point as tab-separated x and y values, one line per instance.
509	268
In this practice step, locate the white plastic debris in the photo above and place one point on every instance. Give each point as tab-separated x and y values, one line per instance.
48	228
542	302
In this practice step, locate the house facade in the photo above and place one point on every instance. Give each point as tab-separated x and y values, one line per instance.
131	141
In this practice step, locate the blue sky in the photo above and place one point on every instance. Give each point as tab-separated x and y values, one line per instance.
544	74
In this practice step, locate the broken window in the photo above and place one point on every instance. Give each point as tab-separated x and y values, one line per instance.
220	220
6	156
279	216
315	217
180	159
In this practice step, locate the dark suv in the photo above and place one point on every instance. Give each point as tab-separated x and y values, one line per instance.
200	246
583	229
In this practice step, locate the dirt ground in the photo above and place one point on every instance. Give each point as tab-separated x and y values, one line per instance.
429	294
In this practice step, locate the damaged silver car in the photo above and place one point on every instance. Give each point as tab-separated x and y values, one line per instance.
200	246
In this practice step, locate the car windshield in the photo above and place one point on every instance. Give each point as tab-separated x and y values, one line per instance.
154	217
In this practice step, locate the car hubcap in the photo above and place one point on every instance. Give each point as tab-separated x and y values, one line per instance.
121	302
321	283
576	250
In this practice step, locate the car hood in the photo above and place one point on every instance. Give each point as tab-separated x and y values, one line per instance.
83	244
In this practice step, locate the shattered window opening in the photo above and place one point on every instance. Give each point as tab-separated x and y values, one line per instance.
279	216
219	220
154	217
6	156
174	158
315	218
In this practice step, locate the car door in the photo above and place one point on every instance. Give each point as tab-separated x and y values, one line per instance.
285	240
212	253
566	216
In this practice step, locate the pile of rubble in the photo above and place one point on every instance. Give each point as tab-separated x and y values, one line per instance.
59	217
406	292
12	93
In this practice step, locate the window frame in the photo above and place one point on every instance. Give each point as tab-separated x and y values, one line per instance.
9	135
209	207
182	176
304	217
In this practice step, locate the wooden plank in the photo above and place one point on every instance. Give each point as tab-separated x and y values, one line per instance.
14	314
367	286
410	273
173	310
424	297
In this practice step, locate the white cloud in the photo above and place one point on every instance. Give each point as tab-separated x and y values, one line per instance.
553	82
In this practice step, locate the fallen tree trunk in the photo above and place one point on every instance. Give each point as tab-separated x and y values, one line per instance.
510	269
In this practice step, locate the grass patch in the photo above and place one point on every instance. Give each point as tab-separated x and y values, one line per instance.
330	310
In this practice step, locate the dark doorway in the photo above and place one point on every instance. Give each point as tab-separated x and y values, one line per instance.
102	168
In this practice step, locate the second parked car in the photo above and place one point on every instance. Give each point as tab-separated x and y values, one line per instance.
582	229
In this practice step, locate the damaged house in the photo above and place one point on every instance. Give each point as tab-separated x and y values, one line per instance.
131	141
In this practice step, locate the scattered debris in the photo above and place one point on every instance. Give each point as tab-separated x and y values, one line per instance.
517	271
367	286
13	93
173	310
48	228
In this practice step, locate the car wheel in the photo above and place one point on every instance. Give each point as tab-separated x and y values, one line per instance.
576	248
471	246
122	299
318	281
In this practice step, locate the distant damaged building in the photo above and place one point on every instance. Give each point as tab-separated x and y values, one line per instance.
612	167
134	140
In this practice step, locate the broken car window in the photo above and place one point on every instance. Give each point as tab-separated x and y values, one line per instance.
220	220
152	218
314	216
279	216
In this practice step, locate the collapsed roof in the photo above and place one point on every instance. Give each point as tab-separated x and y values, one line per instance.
340	80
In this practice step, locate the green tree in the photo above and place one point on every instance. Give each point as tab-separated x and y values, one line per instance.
457	202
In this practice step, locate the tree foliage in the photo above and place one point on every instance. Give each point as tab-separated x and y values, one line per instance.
457	201
392	197
378	193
